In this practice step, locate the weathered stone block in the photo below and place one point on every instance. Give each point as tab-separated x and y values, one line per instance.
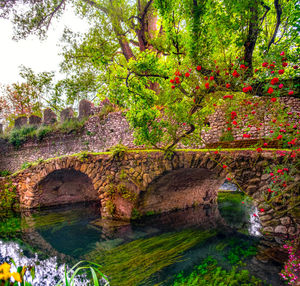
20	121
280	229
35	120
66	114
85	108
49	116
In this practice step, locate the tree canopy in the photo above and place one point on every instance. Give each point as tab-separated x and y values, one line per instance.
133	49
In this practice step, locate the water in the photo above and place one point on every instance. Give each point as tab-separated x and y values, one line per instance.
148	252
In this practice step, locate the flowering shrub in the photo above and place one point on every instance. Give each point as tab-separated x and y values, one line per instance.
291	270
8	196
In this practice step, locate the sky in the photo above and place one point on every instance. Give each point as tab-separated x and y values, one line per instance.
31	52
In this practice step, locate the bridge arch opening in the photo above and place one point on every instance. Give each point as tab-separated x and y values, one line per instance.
64	186
180	189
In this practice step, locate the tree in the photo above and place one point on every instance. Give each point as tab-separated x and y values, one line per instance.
133	48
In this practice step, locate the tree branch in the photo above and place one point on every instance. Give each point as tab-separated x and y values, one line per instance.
278	17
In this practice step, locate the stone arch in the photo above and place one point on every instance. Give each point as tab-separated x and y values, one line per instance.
179	189
35	183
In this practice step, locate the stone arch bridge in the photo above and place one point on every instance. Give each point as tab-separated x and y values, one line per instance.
142	182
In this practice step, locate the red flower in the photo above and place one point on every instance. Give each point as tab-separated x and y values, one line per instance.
228	179
207	85
273	99
243	67
281	71
265	64
259	150
256	70
173	86
279	136
274	80
199	68
282	53
211	78
253	111
233	114
187	74
227	85
197	87
234	122
216	152
265	144
295	67
262	210
270	90
255	215
284	64
246	135
235	74
224	166
228	128
243	202
172	81
280	86
291	92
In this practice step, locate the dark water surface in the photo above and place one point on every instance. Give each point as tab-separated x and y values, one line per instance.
152	251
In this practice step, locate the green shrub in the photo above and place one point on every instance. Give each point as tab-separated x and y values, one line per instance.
43	131
106	109
8	196
71	126
4	173
18	136
227	137
118	151
26	165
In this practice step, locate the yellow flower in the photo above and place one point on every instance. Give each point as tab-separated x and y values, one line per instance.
17	276
5	276
4	268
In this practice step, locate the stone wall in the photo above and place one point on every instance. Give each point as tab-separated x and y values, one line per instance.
101	133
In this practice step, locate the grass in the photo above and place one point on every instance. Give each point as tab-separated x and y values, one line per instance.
135	262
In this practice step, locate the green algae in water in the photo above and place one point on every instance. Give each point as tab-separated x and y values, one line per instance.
209	273
135	262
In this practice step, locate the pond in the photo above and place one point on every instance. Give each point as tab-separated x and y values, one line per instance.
202	245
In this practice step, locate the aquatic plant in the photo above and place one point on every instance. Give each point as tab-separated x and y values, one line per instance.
208	273
135	262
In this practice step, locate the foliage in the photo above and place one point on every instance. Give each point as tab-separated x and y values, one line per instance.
80	269
290	272
4	173
226	136
209	273
10	224
8	195
134	262
71	126
118	151
239	250
42	131
26	165
19	135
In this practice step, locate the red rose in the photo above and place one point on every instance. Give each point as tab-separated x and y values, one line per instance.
207	85
198	68
173	86
211	78
280	86
274	80
284	64
234	122
273	99
281	71
270	90
259	150
197	87
295	67
291	92
172	81
235	74
282	53
265	64
227	85
187	74
279	136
